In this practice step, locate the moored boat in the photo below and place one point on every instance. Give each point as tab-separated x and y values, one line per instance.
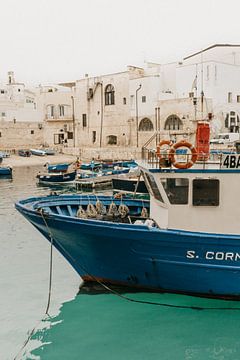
187	241
63	167
38	152
56	177
5	171
24	153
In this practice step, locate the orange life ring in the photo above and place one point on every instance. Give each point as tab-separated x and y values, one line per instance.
162	142
172	153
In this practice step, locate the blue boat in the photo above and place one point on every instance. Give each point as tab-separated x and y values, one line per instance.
185	240
57	178
5	171
58	167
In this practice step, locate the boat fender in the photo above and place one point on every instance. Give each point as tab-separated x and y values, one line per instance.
149	223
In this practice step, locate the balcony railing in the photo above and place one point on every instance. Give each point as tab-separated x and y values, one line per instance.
58	118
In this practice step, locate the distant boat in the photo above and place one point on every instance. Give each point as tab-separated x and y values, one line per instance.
25	153
49	151
90	166
4	154
96	178
57	178
5	171
58	167
129	185
38	152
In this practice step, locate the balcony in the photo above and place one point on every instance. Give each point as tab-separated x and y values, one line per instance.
58	118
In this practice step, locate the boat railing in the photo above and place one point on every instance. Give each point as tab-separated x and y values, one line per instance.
162	159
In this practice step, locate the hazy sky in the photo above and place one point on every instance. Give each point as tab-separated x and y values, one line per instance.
46	41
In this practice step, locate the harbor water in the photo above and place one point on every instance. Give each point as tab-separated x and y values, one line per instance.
96	322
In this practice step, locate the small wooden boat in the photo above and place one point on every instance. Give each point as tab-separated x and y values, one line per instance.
98	178
57	178
58	167
129	185
25	153
5	171
38	152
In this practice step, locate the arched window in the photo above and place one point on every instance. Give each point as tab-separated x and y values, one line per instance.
173	122
109	95
145	125
112	140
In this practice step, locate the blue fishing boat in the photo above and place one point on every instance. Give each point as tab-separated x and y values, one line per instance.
58	167
93	178
5	171
57	178
185	240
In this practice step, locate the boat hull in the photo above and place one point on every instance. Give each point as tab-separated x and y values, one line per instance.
138	255
56	178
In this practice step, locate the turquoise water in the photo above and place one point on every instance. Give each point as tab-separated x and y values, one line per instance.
95	324
106	326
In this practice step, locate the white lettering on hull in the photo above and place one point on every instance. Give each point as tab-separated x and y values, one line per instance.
212	255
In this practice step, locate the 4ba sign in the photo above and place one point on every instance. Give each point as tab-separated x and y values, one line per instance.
230	161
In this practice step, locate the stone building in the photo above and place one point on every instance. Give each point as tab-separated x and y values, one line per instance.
21	122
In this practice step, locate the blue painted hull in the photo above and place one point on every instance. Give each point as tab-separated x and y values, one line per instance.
138	255
5	171
58	167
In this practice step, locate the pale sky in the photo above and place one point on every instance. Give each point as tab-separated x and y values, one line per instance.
51	41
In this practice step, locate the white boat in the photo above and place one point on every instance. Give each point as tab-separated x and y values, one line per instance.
38	152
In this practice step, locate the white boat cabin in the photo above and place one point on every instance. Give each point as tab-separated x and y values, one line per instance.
201	198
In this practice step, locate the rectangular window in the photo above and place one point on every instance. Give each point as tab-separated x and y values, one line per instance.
152	186
143	99
124	101
208	72
32	132
191	94
2	91
84	120
0	134
52	111
61	110
238	98
205	192
94	136
229	97
132	105
70	135
215	73
176	190
3	114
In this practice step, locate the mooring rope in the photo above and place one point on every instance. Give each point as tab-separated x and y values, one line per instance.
49	290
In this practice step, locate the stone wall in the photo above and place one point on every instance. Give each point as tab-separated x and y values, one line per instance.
14	136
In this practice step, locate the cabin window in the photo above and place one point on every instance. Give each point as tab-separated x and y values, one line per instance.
205	192
149	179
70	135
176	190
